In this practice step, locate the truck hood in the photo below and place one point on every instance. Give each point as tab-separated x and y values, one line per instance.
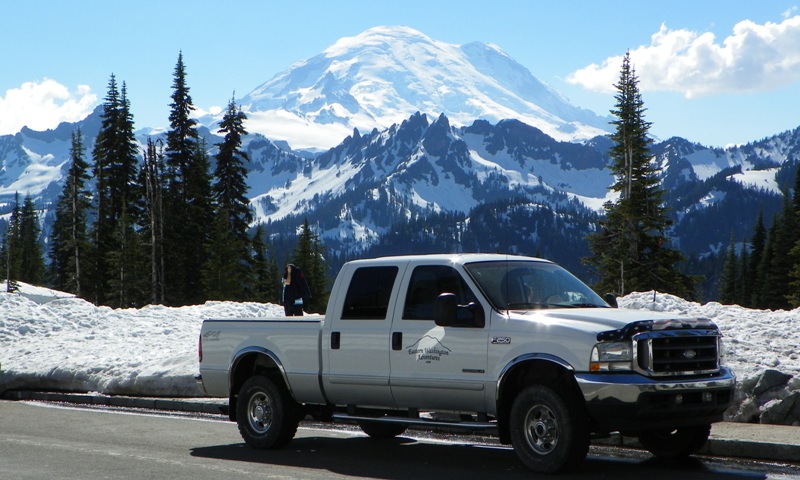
595	319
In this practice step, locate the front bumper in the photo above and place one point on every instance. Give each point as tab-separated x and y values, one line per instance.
630	403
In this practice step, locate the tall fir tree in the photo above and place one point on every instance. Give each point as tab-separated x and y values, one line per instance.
69	238
229	259
630	251
230	175
102	156
118	199
187	206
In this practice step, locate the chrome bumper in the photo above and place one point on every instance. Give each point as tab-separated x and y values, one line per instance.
630	402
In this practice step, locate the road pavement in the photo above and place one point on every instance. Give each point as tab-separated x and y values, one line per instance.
728	439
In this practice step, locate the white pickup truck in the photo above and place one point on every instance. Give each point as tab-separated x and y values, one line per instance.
513	346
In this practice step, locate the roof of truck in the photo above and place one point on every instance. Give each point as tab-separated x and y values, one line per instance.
459	258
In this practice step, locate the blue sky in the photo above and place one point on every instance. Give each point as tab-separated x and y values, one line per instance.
715	72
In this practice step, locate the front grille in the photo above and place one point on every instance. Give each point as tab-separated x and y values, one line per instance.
677	352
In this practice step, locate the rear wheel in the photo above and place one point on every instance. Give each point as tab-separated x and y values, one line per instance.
382	429
266	414
677	443
548	429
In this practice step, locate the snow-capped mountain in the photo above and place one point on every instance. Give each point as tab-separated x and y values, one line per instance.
386	74
399	178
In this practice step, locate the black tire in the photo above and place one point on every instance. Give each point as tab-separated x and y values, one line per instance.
549	429
382	429
266	414
676	443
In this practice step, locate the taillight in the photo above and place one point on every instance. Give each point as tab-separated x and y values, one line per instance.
200	348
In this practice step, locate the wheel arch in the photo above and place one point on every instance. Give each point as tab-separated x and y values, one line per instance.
527	370
249	362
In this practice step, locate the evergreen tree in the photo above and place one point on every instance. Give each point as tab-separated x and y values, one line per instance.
267	286
118	196
226	276
730	276
757	246
230	176
68	239
12	260
152	177
7	256
22	252
766	276
127	282
793	254
308	255
30	250
229	259
744	291
187	209
630	252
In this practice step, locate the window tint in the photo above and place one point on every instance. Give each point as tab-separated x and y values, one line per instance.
369	293
427	283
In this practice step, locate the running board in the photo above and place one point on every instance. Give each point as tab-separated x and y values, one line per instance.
417	422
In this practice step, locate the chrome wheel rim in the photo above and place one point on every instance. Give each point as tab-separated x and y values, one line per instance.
541	429
260	413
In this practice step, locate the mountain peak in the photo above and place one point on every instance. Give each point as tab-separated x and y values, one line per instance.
377	36
383	75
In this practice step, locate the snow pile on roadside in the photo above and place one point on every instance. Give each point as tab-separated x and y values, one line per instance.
70	344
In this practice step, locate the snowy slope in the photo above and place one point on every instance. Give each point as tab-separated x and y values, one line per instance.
386	74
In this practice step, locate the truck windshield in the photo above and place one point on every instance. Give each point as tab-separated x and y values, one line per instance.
528	285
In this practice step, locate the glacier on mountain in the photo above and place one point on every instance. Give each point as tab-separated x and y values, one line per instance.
386	74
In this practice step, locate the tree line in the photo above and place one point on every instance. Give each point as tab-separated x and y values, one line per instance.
163	230
764	273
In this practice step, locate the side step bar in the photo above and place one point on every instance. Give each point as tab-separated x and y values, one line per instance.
417	422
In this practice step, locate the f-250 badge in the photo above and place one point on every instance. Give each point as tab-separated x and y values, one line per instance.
428	349
501	340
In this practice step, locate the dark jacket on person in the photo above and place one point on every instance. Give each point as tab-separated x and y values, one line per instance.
297	289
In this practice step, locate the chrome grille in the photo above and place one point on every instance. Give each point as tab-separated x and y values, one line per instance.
677	352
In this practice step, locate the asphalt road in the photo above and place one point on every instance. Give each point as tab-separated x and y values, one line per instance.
42	441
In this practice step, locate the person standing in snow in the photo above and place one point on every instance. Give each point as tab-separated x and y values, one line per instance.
295	291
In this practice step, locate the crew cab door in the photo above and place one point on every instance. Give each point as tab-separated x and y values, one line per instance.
356	343
432	366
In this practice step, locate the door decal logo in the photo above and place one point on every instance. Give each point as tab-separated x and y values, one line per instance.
428	349
501	340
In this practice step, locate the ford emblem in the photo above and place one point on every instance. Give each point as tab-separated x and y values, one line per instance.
689	354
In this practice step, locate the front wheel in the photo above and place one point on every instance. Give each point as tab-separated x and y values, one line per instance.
267	416
676	443
548	430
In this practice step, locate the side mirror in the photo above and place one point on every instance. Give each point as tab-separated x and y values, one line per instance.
448	313
611	299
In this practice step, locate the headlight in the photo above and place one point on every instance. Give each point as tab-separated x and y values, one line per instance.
611	356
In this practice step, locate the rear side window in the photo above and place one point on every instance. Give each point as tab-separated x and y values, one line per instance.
369	293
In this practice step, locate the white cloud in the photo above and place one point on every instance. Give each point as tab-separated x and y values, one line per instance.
753	58
41	105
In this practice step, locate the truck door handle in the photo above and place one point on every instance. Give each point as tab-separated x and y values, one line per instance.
335	340
397	340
